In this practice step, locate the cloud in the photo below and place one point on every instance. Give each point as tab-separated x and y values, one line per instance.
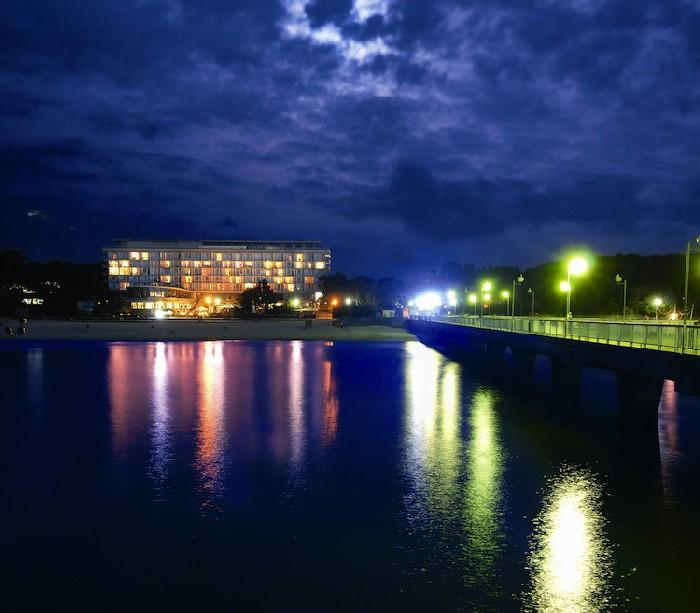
298	25
385	121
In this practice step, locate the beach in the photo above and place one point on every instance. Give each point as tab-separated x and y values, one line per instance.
194	330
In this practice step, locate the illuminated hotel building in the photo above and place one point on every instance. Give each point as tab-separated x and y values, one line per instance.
221	268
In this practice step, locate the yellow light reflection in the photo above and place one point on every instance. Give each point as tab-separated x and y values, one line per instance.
570	556
433	431
330	405
210	431
483	501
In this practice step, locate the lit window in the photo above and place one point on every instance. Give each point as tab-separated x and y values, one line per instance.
320	265
165	263
290	287
165	278
144	255
134	255
135	271
298	264
300	257
219	257
123	263
309	280
113	270
123	285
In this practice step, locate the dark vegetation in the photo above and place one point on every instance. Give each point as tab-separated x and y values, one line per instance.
60	285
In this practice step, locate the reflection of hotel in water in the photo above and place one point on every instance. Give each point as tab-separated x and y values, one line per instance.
239	412
217	269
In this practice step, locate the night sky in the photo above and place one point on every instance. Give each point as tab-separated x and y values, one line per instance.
403	134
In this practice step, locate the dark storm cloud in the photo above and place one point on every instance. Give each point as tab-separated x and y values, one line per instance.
445	122
442	210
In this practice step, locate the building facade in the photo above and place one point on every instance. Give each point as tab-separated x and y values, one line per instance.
218	268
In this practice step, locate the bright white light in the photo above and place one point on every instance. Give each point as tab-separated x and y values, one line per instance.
452	301
159	314
428	301
348	301
411	303
578	266
295	302
317	295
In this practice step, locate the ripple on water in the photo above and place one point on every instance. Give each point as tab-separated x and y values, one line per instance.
570	556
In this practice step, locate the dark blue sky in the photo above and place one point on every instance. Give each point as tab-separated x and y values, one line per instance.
401	133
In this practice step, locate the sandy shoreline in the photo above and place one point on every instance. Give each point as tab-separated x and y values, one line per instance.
192	330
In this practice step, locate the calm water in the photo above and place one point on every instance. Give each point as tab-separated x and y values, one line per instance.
318	476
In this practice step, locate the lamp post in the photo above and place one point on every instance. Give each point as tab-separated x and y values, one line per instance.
620	281
687	275
473	300
519	281
505	294
657	302
577	266
532	301
685	289
485	295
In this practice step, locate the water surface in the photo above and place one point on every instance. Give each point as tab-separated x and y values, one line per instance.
320	476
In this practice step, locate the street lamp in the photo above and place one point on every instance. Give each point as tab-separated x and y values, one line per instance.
473	300
452	298
519	281
532	301
485	294
620	281
505	294
577	266
565	286
657	302
687	274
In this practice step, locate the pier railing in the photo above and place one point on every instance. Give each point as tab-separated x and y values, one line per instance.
660	336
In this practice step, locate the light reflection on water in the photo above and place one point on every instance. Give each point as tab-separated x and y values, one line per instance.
456	475
483	499
211	441
571	557
160	455
213	389
215	417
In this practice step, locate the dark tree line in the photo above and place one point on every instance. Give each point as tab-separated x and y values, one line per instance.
58	284
384	293
595	293
61	284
